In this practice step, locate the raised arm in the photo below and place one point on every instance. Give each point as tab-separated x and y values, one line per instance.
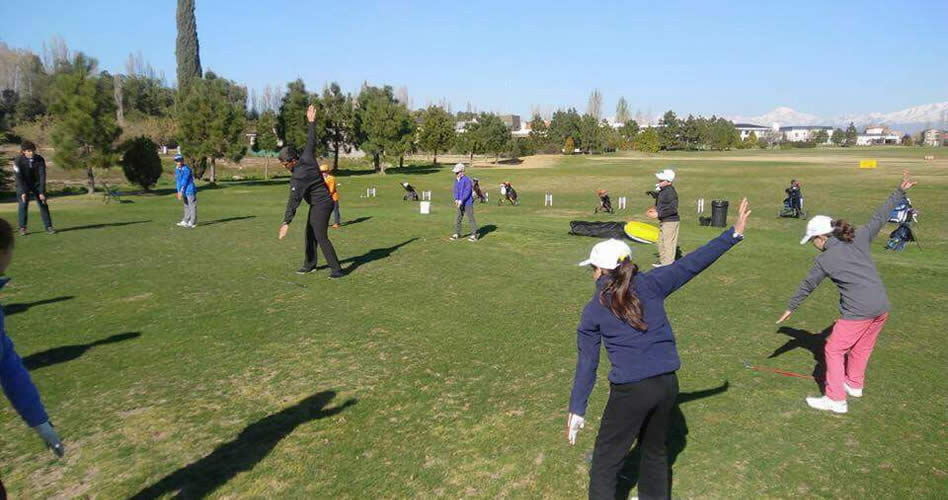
309	153
865	234
588	339
668	279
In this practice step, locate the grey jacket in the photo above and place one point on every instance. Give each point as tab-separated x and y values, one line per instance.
850	266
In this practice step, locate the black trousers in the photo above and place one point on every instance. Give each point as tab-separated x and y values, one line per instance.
24	206
317	235
642	411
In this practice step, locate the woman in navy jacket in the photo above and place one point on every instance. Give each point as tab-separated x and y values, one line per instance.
627	313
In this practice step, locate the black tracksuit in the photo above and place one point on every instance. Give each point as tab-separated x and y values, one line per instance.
30	174
666	204
307	184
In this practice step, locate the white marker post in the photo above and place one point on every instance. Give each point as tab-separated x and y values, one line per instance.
700	206
370	192
548	200
425	207
622	203
426	195
486	196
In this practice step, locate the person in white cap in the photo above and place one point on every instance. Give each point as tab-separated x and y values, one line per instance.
666	211
464	202
627	313
846	258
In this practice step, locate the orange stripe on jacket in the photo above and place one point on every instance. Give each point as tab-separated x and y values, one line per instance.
331	184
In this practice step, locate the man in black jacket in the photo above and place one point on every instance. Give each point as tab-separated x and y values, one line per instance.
30	173
307	184
666	205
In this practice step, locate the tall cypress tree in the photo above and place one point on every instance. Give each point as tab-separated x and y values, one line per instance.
187	50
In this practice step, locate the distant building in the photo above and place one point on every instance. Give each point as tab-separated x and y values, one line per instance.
804	133
459	127
877	130
878	138
746	128
511	121
934	137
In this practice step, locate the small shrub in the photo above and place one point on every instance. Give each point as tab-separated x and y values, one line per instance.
140	162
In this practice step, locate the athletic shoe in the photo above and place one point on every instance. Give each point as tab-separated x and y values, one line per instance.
190	226
182	224
856	393
453	237
22	231
306	270
50	230
658	265
335	226
473	237
825	403
336	274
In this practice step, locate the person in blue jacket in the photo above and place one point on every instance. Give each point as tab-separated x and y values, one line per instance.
627	313
184	184
14	378
464	202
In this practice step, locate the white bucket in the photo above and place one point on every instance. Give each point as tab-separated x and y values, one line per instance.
426	207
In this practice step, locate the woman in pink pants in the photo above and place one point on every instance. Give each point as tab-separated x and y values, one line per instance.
846	258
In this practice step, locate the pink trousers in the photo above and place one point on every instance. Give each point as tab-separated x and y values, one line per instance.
857	337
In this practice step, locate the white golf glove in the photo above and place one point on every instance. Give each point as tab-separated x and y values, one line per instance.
573	425
50	437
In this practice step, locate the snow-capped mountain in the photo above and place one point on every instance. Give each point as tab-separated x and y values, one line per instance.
908	120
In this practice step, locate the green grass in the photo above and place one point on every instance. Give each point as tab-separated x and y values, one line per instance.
450	363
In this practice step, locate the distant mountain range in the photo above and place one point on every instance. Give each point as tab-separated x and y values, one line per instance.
908	120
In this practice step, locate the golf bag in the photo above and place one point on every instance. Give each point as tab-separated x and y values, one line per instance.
478	193
903	234
410	193
507	193
793	203
598	229
902	211
605	204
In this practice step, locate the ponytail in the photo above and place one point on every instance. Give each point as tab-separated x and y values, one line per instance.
843	231
618	296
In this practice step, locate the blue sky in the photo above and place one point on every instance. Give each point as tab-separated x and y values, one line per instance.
742	58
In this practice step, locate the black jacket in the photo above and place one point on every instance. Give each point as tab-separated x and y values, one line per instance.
307	182
667	204
30	175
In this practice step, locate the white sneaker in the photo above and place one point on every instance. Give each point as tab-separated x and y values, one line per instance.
454	236
182	224
825	403
190	226
658	265
856	393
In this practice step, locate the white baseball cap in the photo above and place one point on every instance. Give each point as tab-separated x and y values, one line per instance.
458	168
608	254
817	226
666	175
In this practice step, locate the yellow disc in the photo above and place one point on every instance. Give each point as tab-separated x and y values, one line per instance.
641	232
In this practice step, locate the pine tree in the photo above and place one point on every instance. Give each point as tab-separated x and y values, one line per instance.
437	131
851	134
187	50
211	122
84	108
140	162
292	127
622	111
266	138
384	126
339	119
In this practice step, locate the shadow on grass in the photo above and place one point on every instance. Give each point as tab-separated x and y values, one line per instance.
19	307
675	443
66	353
99	226
228	219
256	441
813	342
355	221
485	230
370	256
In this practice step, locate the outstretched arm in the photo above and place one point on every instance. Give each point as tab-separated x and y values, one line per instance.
868	232
292	203
807	286
18	386
309	153
669	278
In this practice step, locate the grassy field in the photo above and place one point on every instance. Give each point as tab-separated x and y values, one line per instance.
195	362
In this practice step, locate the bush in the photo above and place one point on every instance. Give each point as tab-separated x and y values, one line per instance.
140	162
38	131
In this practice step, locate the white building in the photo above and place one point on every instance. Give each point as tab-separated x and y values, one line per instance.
803	133
873	139
745	130
934	137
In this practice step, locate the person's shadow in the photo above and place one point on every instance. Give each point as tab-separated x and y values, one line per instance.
201	478
66	353
485	230
99	226
19	307
676	442
355	221
228	219
813	342
371	255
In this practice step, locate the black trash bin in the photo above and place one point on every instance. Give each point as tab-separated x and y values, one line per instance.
719	213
